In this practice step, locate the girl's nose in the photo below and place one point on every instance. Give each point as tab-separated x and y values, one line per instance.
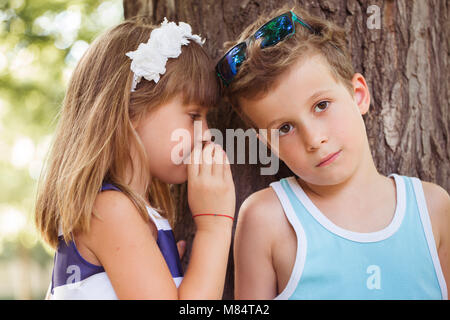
202	134
206	135
201	131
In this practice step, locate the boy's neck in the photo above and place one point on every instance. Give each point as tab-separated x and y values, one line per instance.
364	180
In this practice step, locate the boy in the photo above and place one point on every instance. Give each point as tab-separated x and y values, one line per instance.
339	229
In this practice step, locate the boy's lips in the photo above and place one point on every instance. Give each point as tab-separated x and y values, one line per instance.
328	159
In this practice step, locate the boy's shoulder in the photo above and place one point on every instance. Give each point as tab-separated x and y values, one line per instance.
437	198
436	195
264	198
438	204
262	208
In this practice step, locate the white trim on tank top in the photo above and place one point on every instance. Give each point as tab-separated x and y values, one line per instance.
375	236
300	256
426	223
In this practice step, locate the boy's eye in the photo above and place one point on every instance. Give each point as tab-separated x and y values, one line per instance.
285	129
321	106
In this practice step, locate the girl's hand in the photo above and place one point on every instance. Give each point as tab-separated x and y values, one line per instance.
210	191
210	184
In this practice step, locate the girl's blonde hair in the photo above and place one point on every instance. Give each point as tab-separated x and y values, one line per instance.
260	72
92	139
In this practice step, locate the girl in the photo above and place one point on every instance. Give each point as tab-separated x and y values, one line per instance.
104	202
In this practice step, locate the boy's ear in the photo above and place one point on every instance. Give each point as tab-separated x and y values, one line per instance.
361	93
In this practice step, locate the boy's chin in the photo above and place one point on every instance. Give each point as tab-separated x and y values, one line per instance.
326	179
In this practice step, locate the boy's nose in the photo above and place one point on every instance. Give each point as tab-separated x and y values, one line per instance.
313	138
315	143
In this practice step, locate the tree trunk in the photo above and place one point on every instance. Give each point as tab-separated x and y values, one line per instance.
402	49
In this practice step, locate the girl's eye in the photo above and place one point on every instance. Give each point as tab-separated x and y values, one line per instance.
321	106
285	129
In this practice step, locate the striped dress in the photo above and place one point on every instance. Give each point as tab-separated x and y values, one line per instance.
75	278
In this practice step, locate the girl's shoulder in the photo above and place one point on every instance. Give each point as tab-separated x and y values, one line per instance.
112	203
115	214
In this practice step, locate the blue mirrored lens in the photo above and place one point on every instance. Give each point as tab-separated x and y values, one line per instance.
275	30
230	63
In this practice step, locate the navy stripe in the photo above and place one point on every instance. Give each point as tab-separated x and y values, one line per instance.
167	245
108	186
69	266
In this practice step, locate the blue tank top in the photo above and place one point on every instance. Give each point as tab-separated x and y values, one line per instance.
75	278
397	262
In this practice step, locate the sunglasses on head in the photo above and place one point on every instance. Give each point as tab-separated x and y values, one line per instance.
272	32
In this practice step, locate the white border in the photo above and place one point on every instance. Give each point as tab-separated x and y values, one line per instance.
426	223
177	281
95	287
160	222
300	257
379	235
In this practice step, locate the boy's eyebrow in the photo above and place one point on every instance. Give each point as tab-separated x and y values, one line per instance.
317	94
272	122
313	97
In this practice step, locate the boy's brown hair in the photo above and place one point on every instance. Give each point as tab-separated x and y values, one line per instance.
260	72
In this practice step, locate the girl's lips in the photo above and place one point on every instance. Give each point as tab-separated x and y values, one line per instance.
329	159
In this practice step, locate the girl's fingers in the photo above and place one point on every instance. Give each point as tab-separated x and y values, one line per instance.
217	168
226	167
205	166
195	158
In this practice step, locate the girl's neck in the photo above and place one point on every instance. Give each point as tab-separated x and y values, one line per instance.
136	179
137	185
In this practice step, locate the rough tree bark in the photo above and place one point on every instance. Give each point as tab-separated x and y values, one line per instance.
405	62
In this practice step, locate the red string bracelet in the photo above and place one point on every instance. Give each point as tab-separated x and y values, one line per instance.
213	214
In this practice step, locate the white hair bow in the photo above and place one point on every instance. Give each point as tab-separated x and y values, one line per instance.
149	60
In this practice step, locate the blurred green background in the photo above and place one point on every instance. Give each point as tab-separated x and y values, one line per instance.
40	44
